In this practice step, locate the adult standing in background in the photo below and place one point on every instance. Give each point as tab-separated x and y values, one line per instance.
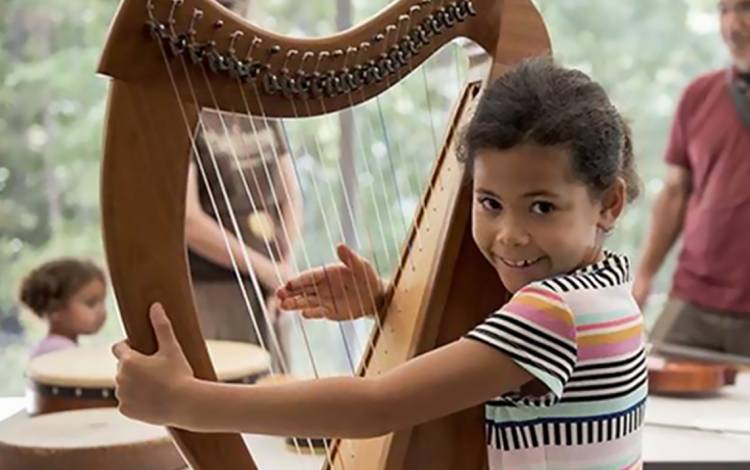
706	200
258	177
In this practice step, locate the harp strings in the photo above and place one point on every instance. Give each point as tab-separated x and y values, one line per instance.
265	313
366	300
225	235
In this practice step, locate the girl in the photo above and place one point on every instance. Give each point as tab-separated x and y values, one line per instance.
561	366
69	294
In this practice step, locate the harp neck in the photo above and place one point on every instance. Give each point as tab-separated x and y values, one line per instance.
287	76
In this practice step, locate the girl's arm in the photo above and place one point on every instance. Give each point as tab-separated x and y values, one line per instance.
161	389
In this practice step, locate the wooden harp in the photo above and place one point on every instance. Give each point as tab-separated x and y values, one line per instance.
159	54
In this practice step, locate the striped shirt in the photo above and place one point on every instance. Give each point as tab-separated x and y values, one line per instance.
581	335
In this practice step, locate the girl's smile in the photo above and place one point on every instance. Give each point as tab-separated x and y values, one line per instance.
533	218
521	263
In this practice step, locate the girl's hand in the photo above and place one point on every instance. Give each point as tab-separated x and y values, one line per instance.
146	386
339	291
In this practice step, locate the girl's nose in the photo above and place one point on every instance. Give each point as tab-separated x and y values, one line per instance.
512	234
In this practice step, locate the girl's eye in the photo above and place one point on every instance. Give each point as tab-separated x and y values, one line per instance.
490	204
542	207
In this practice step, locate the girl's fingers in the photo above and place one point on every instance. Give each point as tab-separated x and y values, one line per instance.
300	302
350	258
332	281
287	291
121	349
317	312
315	291
165	336
306	280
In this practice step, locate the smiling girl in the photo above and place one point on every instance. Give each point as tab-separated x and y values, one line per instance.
560	367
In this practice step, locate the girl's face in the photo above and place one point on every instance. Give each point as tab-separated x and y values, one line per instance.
84	312
532	218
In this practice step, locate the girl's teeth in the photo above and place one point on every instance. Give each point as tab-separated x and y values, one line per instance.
521	264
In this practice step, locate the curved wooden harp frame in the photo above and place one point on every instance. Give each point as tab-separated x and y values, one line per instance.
152	109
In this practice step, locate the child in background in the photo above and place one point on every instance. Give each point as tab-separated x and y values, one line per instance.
560	367
69	294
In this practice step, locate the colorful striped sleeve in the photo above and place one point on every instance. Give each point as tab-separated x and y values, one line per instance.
535	329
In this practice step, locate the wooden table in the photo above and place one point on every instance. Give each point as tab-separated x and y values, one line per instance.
706	433
700	433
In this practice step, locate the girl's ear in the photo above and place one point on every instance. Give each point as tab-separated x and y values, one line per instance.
53	316
612	205
56	316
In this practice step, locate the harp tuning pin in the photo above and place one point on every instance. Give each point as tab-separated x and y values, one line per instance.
197	16
175	5
256	40
218	24
290	53
337	53
275	49
364	45
150	9
305	56
378	37
234	37
351	49
403	18
414	9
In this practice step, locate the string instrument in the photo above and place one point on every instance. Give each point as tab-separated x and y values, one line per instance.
170	59
686	371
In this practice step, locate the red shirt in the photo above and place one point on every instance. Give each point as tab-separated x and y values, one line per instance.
709	139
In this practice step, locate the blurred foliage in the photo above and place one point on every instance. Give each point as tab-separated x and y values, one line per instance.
52	107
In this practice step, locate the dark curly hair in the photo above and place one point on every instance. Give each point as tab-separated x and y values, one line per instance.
546	104
48	288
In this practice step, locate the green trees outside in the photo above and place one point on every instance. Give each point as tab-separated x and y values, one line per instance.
52	108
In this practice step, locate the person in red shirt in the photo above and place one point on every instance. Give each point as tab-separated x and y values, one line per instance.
706	200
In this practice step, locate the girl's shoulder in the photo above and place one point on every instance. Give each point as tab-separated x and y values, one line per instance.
603	288
611	272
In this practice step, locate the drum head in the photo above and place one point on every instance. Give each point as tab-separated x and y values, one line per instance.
95	366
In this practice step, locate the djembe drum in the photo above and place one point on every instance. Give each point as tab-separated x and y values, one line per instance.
97	438
84	377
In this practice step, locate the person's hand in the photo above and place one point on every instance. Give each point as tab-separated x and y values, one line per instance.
273	309
146	385
339	291
286	272
642	289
